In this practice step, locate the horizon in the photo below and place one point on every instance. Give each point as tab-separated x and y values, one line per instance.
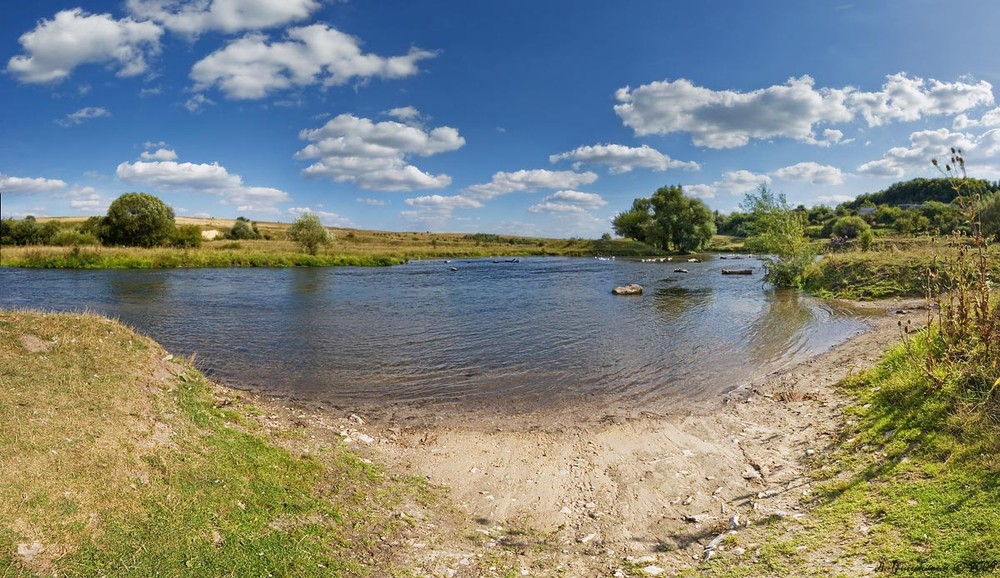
516	119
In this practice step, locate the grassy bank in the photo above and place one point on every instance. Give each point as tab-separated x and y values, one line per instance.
894	268
115	461
911	488
349	247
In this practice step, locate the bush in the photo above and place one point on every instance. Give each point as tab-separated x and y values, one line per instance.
73	238
243	228
137	219
850	227
309	233
186	237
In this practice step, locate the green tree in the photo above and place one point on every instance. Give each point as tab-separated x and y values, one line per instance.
309	233
668	220
6	228
243	228
850	227
779	232
137	219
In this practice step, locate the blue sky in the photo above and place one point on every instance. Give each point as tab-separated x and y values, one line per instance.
516	117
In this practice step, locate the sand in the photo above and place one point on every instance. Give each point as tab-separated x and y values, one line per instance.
600	487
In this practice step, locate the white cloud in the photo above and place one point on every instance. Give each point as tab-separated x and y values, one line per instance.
74	37
205	178
14	185
448	203
160	154
814	173
193	18
924	146
568	202
87	200
372	202
326	217
732	182
833	200
907	99
990	118
525	180
404	113
252	67
197	103
727	119
373	155
83	115
622	159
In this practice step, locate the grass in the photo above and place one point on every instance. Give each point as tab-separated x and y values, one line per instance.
894	268
116	462
911	490
349	247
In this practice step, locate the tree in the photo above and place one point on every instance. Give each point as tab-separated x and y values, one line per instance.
309	233
668	220
989	216
137	219
243	228
850	227
775	229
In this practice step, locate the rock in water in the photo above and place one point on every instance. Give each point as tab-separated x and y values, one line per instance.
631	289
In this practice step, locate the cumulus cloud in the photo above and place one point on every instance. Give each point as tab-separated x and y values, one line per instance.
727	119
622	159
173	176
733	182
160	154
326	217
529	181
253	67
814	173
16	185
86	199
989	119
568	202
833	200
903	98
83	115
373	155
371	202
445	203
924	145
74	37
404	113
193	18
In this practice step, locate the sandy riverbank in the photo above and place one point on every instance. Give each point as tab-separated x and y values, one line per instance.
598	488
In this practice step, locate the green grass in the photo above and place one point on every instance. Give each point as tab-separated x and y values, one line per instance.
118	468
912	490
897	268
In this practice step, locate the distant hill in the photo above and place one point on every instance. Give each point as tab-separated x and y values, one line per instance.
920	190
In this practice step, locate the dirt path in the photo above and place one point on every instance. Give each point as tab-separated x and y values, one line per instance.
577	494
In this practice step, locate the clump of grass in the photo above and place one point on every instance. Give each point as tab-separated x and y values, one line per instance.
116	462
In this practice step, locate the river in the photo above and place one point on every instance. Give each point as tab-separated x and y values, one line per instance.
516	336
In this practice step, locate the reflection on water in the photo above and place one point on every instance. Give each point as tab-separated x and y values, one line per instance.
542	331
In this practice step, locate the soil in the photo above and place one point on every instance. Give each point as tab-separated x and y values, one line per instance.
592	491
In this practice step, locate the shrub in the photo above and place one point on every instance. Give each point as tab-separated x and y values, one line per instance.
309	233
137	219
243	228
73	238
850	227
186	237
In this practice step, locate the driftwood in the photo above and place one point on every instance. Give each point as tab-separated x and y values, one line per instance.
737	271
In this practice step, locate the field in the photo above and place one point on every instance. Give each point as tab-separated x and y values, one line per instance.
349	247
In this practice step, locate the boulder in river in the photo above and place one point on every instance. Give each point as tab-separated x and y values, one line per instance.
737	271
631	289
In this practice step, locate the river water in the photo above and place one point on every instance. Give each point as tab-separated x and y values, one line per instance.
515	336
